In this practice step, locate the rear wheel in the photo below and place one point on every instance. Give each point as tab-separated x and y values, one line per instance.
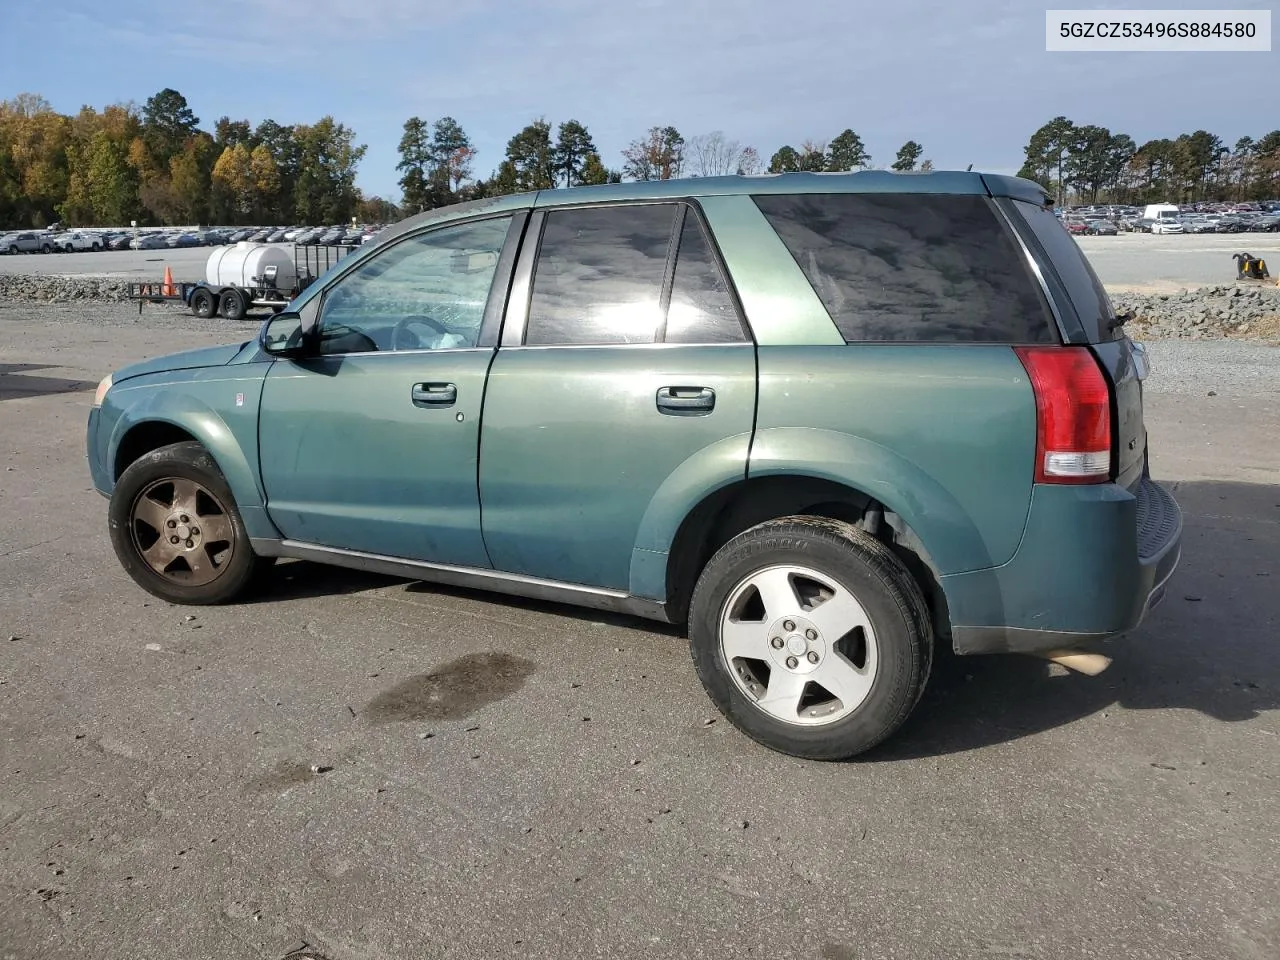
176	529
202	304
811	637
47	248
233	305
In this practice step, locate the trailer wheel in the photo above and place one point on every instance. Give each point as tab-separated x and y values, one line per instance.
202	304
233	305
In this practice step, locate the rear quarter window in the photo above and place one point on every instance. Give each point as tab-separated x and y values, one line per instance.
913	267
1067	260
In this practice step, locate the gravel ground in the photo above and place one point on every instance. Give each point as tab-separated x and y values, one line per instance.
162	793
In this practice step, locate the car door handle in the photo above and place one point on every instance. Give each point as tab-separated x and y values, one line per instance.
434	394
686	400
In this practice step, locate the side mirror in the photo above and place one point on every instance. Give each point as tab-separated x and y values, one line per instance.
285	335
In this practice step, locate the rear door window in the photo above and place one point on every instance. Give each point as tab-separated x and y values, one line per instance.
913	267
702	310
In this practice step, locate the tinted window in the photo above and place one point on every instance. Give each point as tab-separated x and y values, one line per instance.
701	310
599	274
425	293
1083	286
912	267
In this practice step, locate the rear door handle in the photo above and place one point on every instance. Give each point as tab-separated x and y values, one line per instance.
434	394
686	400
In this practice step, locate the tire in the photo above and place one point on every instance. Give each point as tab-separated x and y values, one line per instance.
882	671
46	249
233	305
164	486
96	247
202	303
13	250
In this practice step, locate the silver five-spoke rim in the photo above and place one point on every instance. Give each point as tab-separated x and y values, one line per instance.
182	532
799	645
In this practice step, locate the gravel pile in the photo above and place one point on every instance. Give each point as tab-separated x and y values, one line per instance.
1249	311
46	289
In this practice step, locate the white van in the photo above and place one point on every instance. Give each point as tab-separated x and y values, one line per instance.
1155	211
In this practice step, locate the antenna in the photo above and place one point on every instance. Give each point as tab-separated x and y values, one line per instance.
968	168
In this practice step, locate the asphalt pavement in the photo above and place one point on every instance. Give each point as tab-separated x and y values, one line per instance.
384	769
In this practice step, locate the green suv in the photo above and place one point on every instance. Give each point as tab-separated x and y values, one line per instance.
826	421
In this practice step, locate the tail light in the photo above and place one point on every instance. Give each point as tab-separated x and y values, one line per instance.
1073	414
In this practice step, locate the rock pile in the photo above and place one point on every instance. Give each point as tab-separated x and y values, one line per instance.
1240	311
46	289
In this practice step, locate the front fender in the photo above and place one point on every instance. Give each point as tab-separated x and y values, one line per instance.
946	530
219	411
712	468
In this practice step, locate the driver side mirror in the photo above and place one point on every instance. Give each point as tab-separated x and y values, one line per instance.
286	335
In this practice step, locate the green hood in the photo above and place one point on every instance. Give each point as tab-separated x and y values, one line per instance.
186	360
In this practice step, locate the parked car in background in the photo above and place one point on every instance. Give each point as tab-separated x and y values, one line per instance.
844	455
76	241
120	242
1101	228
1166	224
26	241
148	241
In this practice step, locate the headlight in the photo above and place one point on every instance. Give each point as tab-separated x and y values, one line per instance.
101	392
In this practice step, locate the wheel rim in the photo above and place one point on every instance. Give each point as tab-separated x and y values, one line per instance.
182	532
798	645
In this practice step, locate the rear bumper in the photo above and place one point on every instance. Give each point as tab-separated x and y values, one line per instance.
1093	561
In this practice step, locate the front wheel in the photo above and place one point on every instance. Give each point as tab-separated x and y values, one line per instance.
811	637
176	529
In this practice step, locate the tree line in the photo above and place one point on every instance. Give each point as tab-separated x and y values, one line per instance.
155	165
1088	163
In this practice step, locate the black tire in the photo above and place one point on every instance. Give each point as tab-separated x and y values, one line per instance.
880	582
188	461
202	303
233	305
47	248
13	250
96	247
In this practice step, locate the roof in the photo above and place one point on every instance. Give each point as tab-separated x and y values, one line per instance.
861	181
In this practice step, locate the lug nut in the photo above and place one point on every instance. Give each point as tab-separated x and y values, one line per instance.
171	524
811	634
776	642
173	539
195	531
190	544
813	656
792	663
789	625
185	518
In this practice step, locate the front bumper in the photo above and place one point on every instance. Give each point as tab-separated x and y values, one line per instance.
95	455
1093	561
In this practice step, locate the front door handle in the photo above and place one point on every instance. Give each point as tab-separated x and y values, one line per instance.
686	400
434	394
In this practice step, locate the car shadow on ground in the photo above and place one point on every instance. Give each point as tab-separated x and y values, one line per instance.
1211	646
16	382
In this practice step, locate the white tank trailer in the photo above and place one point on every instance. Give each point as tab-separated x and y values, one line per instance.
244	265
246	275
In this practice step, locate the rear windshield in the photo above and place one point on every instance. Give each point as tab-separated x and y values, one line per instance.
1083	287
913	267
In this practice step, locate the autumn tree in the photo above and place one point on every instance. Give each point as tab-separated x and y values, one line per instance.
659	155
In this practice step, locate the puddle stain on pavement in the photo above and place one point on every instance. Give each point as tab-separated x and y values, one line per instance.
453	690
285	774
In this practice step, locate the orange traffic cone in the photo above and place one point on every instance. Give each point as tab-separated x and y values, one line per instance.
168	289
